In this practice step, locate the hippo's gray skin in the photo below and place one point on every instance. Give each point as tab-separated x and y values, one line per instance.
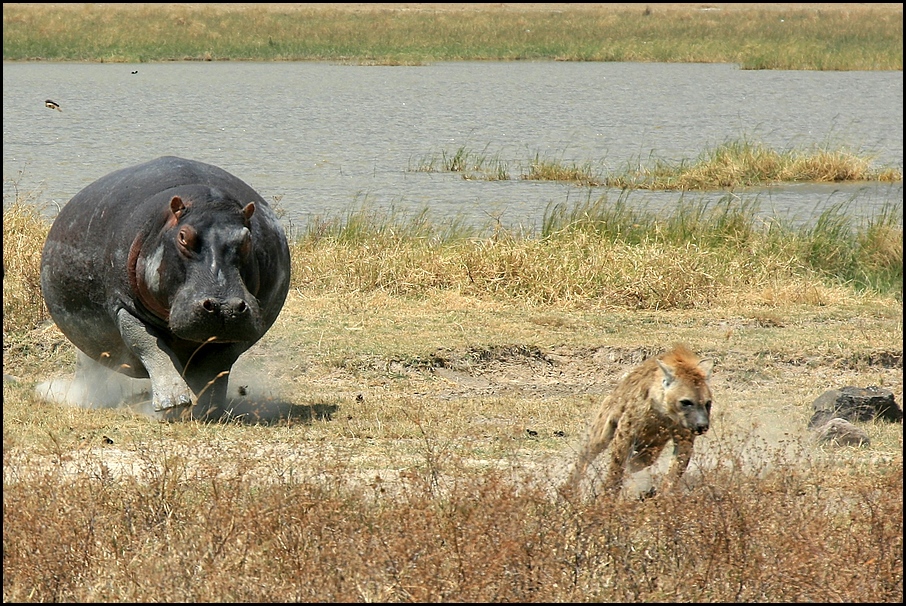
170	269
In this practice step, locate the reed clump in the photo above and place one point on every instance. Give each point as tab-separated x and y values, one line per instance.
851	37
737	163
741	163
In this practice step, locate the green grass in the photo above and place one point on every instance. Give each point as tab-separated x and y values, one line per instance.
693	255
865	254
863	37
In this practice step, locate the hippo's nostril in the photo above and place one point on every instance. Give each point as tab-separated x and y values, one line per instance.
209	305
241	307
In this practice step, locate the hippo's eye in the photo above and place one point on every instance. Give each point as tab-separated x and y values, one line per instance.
187	239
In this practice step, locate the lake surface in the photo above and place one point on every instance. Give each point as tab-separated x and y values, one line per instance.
325	138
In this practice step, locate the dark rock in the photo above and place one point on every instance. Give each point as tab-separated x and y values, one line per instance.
842	433
855	404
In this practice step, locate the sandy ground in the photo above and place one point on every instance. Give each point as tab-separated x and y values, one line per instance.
527	6
767	413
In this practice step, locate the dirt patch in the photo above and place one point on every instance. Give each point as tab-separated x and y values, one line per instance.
508	369
515	7
513	406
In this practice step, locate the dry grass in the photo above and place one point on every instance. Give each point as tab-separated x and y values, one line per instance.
441	384
742	163
24	232
187	531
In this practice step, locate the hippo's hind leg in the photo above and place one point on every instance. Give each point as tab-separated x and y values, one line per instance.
168	388
94	386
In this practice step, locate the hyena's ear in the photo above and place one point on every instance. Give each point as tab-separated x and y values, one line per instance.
707	365
669	376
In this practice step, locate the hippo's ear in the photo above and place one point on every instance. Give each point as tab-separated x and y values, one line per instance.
177	207
248	211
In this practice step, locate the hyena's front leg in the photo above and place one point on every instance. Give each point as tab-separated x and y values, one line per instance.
682	454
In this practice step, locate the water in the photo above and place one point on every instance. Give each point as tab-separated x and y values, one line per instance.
323	138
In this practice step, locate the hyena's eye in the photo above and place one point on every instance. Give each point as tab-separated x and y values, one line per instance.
708	405
687	403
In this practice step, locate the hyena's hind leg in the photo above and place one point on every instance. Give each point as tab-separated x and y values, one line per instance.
599	437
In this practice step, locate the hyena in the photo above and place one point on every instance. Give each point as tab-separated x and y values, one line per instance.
664	398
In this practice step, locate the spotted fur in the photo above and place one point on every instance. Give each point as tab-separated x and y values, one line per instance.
664	398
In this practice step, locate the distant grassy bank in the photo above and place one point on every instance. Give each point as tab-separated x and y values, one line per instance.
861	37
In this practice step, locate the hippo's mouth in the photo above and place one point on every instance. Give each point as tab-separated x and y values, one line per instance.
230	320
214	334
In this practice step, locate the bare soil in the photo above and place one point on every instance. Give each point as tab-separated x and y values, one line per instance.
523	6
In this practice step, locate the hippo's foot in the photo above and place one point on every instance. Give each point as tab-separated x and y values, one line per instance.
170	399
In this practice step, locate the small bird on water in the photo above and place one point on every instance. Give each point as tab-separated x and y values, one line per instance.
52	105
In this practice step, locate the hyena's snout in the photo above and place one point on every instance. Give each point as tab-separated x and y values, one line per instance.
698	420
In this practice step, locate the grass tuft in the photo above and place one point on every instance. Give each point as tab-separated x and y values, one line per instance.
741	163
472	165
24	232
541	169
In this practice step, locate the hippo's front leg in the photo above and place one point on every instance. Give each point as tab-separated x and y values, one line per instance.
208	375
168	388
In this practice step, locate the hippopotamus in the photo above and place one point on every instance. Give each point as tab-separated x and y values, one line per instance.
169	270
